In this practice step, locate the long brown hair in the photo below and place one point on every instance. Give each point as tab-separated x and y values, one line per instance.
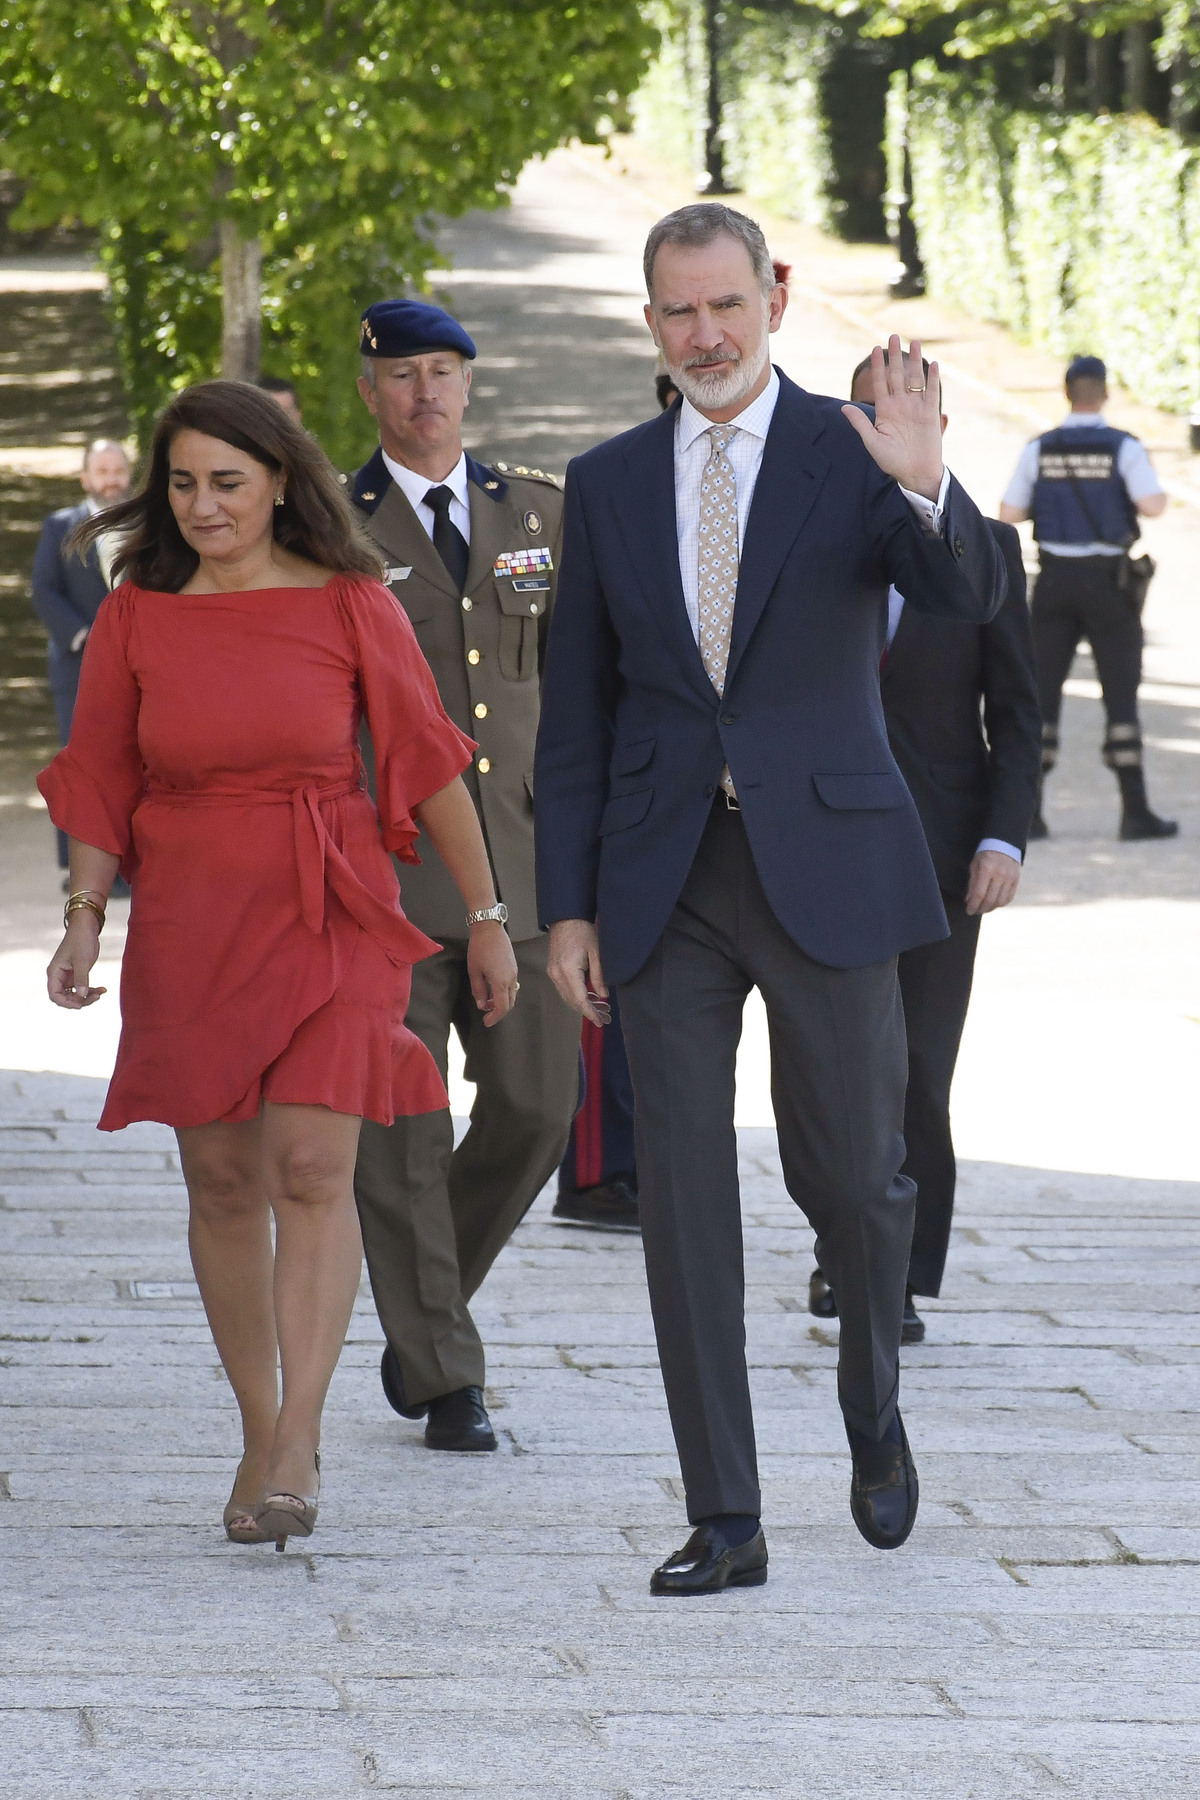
315	521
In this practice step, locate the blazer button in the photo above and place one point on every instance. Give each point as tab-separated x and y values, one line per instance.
727	718
483	765
473	657
481	711
467	605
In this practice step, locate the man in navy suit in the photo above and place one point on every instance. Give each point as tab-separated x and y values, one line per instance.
718	809
67	589
961	706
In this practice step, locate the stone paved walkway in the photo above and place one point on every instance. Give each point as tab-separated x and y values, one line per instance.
482	1627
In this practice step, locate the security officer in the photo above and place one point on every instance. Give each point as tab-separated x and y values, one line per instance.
1084	486
470	552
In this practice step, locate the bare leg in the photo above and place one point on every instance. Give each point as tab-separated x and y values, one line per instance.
229	1234
308	1157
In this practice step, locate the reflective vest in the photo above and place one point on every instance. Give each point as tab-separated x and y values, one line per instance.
1079	496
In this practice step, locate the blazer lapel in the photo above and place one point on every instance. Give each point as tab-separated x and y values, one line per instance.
491	522
402	535
789	480
645	510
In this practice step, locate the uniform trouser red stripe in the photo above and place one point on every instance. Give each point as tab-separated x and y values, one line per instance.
589	1121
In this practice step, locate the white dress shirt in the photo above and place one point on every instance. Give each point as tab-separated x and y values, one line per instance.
415	487
1133	466
745	453
895	608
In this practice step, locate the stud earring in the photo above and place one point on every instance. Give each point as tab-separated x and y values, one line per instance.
279	499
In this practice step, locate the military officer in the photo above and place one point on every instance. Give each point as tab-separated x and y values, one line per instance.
470	552
1085	485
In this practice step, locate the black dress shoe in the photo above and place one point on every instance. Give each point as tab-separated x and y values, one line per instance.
1138	826
611	1206
459	1421
706	1564
393	1387
912	1326
821	1302
883	1488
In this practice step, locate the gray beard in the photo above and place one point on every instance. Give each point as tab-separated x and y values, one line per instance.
715	392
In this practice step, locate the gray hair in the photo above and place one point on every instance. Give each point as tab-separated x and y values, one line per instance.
368	369
698	225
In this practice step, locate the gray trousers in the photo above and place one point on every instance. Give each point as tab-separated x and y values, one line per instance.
837	1082
434	1219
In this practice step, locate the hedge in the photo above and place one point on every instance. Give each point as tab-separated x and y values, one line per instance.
1078	233
775	143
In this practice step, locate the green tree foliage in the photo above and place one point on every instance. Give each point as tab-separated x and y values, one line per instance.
319	134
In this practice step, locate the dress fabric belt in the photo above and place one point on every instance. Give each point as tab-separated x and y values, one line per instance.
319	862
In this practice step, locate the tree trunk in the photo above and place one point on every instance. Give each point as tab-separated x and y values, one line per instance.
1060	79
1136	51
1099	74
714	149
241	304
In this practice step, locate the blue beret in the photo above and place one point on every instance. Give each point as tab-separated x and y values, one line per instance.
409	327
1087	368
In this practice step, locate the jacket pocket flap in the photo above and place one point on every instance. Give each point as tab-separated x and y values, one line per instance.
516	603
624	810
862	793
629	758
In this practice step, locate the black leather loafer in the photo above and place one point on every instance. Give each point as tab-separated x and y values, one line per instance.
706	1565
912	1326
393	1386
612	1206
821	1302
883	1489
459	1421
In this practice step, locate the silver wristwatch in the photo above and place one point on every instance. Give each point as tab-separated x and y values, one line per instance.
499	913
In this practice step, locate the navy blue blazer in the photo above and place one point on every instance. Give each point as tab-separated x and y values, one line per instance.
634	736
67	590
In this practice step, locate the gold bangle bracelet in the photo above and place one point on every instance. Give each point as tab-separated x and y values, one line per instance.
81	903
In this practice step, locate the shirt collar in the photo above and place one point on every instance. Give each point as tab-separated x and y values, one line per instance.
92	504
1081	421
754	419
415	487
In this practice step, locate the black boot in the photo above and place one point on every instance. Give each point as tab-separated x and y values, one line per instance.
1137	821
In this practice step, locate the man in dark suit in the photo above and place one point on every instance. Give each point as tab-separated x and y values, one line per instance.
718	809
974	777
67	589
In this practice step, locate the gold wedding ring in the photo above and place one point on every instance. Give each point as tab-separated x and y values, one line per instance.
915	390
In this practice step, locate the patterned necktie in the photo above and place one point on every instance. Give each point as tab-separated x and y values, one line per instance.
448	540
718	568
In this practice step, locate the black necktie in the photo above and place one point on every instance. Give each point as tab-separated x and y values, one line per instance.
448	540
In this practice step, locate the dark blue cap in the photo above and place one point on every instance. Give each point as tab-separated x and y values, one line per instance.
1086	368
410	327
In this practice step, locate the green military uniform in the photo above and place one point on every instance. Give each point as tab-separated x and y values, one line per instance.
434	1218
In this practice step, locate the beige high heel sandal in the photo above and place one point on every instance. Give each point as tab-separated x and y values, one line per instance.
281	1516
238	1518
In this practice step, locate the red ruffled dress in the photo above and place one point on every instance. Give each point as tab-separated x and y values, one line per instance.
214	748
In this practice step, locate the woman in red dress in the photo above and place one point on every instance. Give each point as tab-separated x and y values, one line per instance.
214	760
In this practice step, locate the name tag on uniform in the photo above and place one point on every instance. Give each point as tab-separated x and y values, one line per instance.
533	585
535	561
390	575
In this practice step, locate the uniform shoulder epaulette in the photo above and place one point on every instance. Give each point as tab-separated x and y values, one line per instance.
527	474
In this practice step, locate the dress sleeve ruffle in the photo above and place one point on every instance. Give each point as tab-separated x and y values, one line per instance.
418	748
93	786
